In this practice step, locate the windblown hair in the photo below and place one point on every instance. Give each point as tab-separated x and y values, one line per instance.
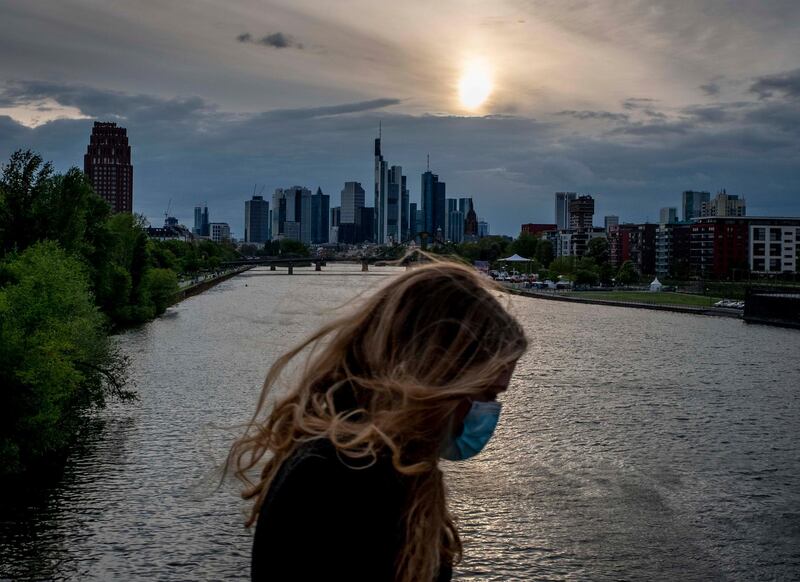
423	343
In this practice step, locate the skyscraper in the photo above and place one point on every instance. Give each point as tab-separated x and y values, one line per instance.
412	221
471	224
724	204
291	214
668	216
581	213
562	209
256	220
352	200
320	211
692	204
201	221
381	192
433	205
107	163
393	217
609	221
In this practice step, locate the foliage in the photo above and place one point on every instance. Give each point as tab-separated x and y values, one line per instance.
488	248
563	265
55	357
544	252
293	247
598	250
525	246
627	274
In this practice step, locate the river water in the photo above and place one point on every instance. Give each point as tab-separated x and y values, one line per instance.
633	445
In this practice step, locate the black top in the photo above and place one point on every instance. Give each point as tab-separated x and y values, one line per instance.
323	520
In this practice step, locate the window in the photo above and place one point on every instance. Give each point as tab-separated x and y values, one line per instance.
758	264
774	264
774	234
758	249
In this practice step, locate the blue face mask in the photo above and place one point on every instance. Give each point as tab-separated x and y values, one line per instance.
479	425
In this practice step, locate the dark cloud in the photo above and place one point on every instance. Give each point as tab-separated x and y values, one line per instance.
637	102
312	112
710	89
786	83
278	40
191	151
604	115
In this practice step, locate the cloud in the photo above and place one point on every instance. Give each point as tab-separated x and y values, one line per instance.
278	40
637	102
711	89
604	115
190	150
786	83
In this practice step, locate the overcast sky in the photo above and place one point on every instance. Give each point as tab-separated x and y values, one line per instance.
629	101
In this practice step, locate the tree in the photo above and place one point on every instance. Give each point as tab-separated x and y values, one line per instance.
294	247
544	252
585	277
160	287
55	358
563	265
627	274
525	246
598	250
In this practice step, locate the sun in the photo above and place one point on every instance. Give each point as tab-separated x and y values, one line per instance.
475	84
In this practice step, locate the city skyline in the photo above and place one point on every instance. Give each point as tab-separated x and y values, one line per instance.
632	103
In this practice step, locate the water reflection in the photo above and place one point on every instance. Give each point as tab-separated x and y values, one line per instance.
633	445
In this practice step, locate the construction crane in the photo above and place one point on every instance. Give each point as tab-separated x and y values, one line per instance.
166	212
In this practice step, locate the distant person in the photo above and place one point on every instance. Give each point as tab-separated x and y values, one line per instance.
351	489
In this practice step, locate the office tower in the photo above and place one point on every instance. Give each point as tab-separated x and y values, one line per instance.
405	209
483	228
201	221
198	220
320	211
724	205
692	204
381	192
412	221
464	204
353	197
668	216
581	213
365	225
333	229
609	221
219	231
392	217
471	225
256	220
562	209
433	205
291	216
107	163
454	221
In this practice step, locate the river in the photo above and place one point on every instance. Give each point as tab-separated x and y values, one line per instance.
633	445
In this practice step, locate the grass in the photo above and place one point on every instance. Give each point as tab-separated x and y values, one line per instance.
659	298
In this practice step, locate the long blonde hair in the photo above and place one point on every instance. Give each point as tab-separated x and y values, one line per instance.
413	351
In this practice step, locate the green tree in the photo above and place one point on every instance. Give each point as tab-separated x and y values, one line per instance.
55	358
563	265
598	250
585	277
627	274
160	287
544	253
525	246
294	247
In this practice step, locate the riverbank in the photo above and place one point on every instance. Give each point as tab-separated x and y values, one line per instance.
206	284
695	310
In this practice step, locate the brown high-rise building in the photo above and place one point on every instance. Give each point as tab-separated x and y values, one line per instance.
107	163
581	213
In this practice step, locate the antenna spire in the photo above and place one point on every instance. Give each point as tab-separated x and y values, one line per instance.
379	129
428	157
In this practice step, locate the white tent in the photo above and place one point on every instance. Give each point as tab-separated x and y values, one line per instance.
515	259
655	285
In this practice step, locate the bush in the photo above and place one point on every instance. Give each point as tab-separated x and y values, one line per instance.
56	360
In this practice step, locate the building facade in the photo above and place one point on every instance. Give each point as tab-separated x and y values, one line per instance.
581	213
724	204
774	245
432	200
673	250
291	214
719	247
219	231
256	220
668	215
692	203
107	164
609	221
563	200
537	229
201	221
320	214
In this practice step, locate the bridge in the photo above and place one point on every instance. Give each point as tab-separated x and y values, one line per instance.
291	262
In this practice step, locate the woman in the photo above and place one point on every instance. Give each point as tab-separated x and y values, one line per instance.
351	489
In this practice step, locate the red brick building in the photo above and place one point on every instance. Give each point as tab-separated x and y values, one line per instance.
107	163
719	247
536	229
